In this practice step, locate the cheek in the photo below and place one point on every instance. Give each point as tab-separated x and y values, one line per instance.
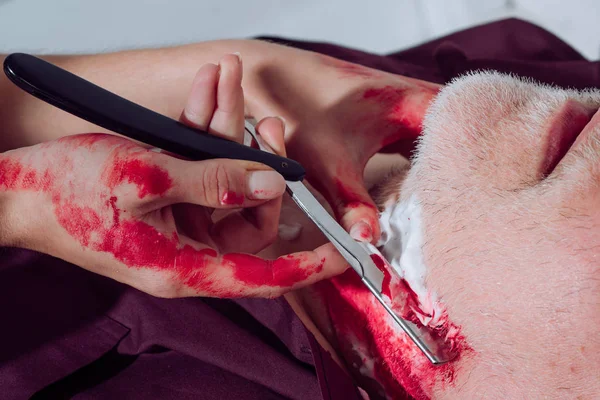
517	264
467	243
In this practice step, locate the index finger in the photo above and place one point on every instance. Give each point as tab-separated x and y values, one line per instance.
243	275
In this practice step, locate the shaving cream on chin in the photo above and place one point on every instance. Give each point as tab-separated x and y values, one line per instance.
401	246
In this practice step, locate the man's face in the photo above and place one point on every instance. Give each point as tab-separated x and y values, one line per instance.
508	179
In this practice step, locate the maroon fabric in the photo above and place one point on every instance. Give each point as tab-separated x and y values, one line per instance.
510	45
67	333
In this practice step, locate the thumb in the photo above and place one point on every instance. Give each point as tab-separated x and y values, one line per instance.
352	204
224	183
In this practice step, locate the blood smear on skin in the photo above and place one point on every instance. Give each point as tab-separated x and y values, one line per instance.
284	271
149	179
101	226
10	173
349	196
402	110
232	198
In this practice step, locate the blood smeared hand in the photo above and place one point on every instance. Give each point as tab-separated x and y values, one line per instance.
337	117
145	218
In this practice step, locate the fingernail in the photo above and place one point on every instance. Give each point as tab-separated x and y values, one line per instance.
264	185
362	232
238	55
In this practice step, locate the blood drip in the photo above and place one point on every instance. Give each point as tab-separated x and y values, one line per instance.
387	278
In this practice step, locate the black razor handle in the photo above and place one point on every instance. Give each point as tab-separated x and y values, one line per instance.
92	103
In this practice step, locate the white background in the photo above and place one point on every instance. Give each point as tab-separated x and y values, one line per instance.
47	26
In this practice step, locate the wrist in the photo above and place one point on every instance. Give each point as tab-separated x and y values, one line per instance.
9	234
20	208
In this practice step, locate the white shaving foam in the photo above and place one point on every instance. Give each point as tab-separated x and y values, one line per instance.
289	232
401	244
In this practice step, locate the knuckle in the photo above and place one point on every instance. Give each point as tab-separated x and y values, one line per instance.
222	180
138	174
217	180
197	118
210	185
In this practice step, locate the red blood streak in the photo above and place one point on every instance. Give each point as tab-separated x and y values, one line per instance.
351	200
285	271
365	234
80	222
232	198
401	111
112	202
381	264
14	176
10	172
349	196
364	334
367	336
30	180
137	244
98	224
149	179
405	301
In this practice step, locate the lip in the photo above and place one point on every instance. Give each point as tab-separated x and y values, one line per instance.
566	127
594	121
